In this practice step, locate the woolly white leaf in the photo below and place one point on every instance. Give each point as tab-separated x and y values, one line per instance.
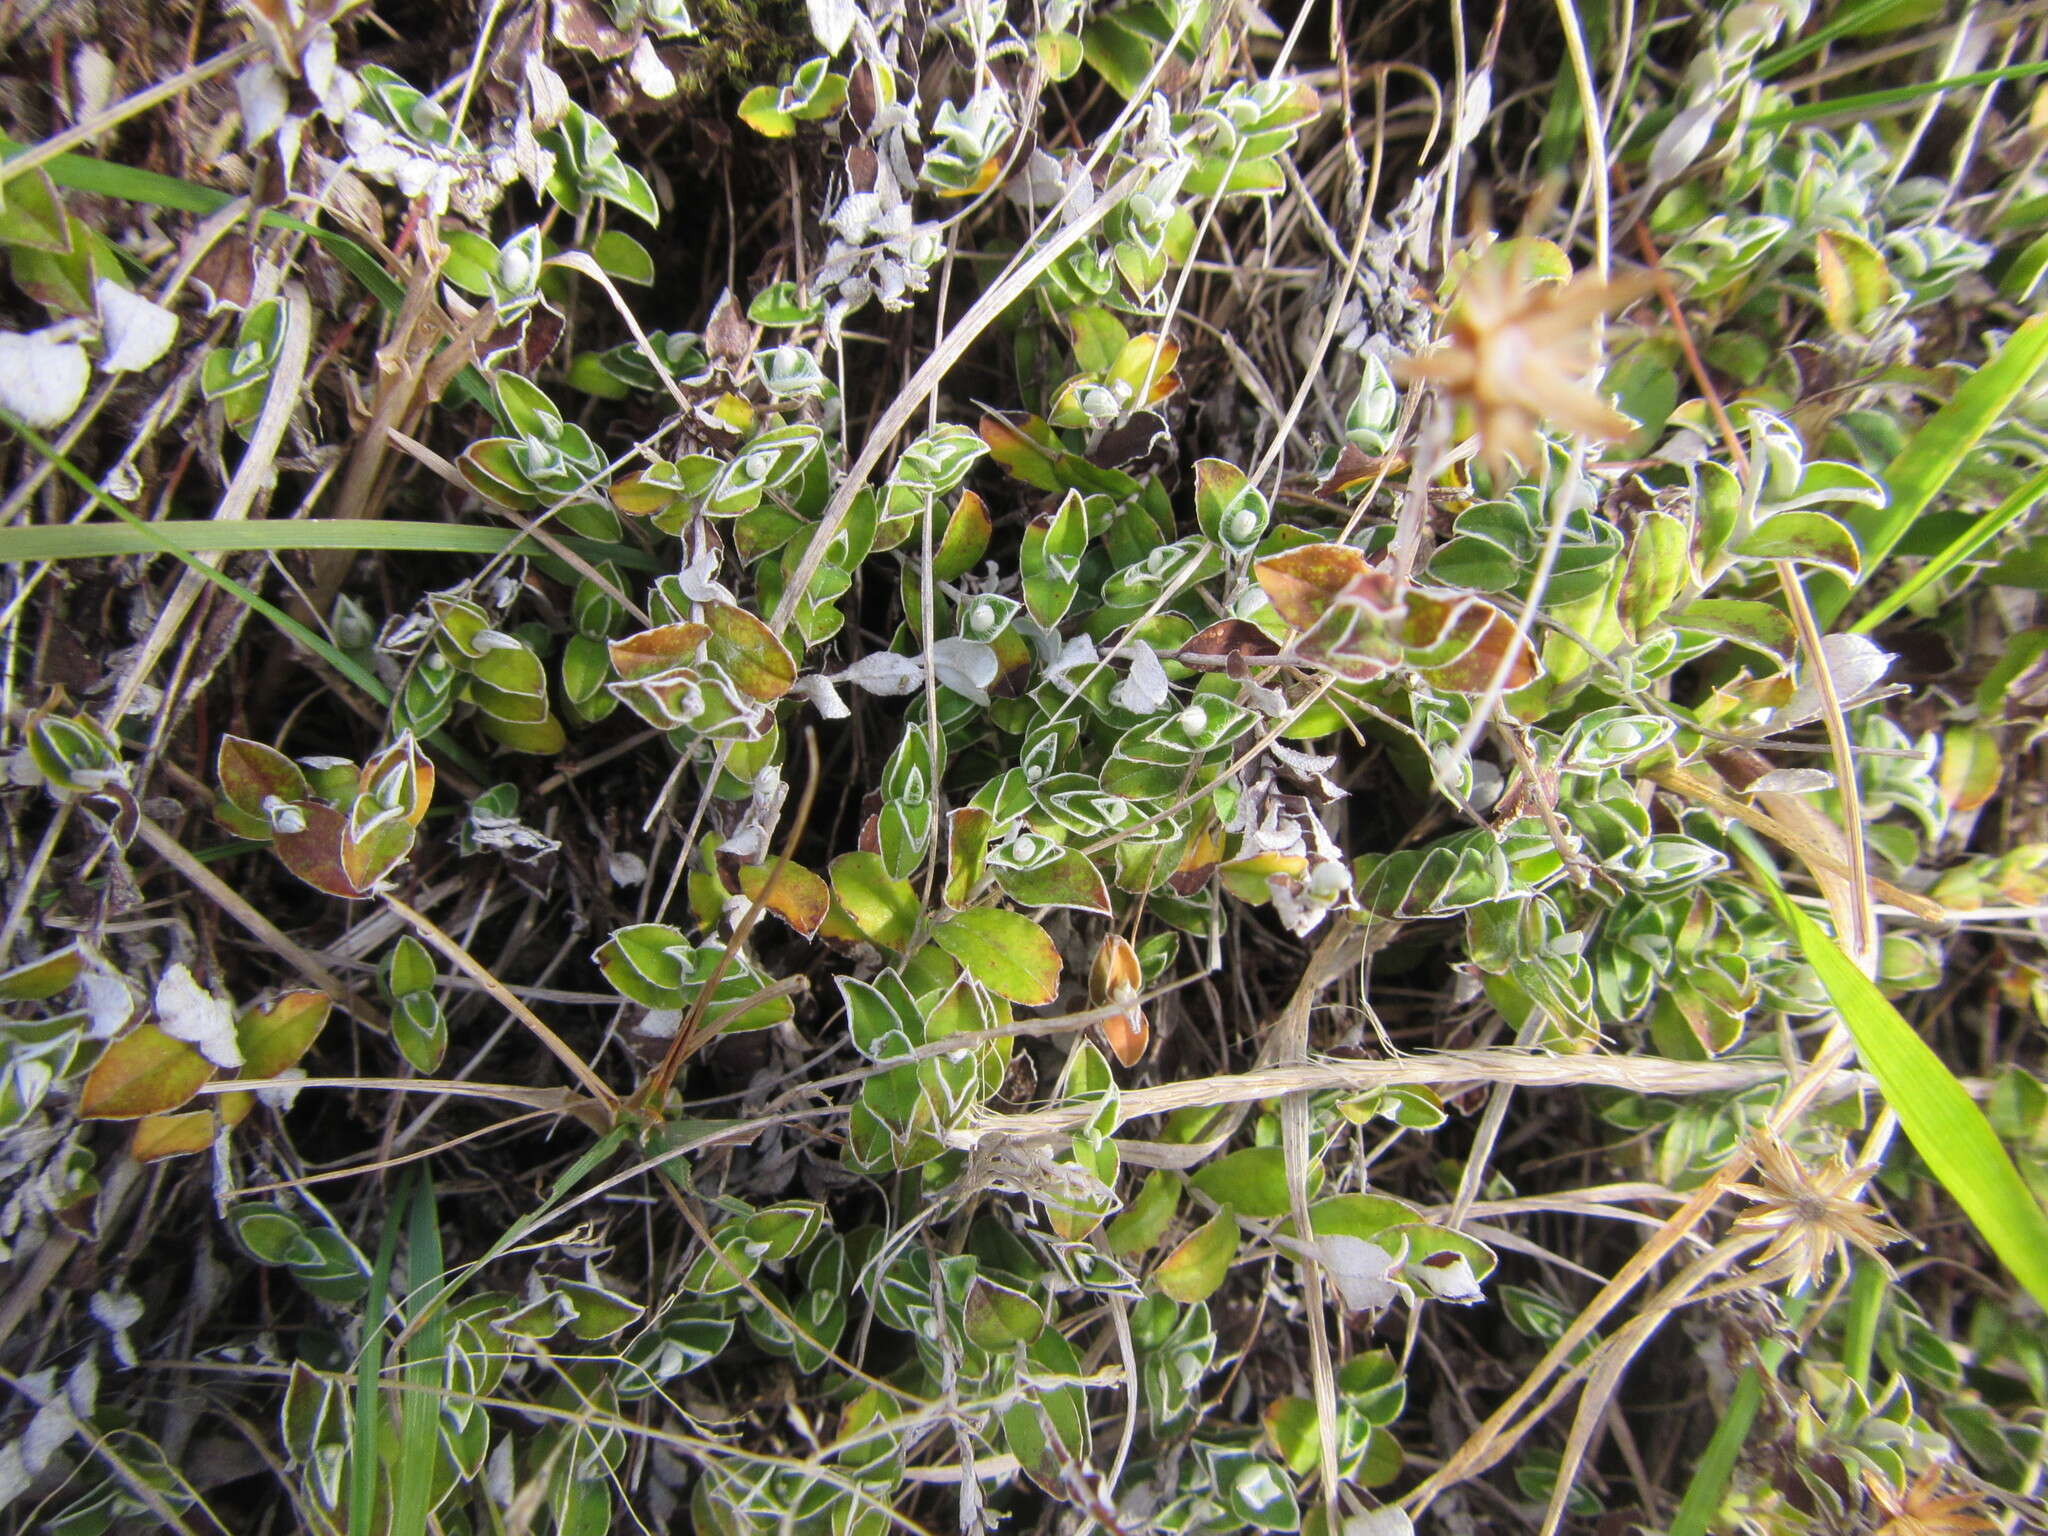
117	1312
1388	1520
832	23
821	695
1683	140
187	1011
659	1023
547	93
284	1093
965	666
92	80
654	78
1145	691
261	92
134	331
42	375
1856	665
511	836
626	868
884	673
500	1483
1077	652
1478	105
1359	1271
699	579
15	1476
48	1430
1447	1276
108	1003
82	1387
116	1309
1792	781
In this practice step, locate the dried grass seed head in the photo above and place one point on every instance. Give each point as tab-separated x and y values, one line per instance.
1921	1509
1518	352
1811	1216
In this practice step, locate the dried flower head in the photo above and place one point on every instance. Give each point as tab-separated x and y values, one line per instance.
1922	1511
1519	351
1811	1215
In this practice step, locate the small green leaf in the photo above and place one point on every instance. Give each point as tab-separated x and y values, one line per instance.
760	112
1855	284
1253	1181
1812	538
1756	625
420	1030
38	980
998	1317
274	1038
409	968
623	257
1145	1220
883	908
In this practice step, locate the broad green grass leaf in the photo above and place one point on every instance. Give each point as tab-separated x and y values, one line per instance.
1980	533
102	541
1945	1126
1716	1464
425	1366
1850	21
1849	108
365	1429
1932	456
1005	951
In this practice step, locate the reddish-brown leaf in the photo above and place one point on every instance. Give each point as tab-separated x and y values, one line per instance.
656	650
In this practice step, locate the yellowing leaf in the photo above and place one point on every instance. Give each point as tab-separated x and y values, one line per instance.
796	895
1970	768
1855	284
883	908
145	1072
751	655
1005	951
179	1135
1194	1270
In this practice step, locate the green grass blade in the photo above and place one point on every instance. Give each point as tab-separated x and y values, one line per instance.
365	1438
1908	96
316	644
1850	19
1937	1114
566	1185
426	1366
1710	1474
1980	533
101	541
1859	1329
153	538
1936	451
